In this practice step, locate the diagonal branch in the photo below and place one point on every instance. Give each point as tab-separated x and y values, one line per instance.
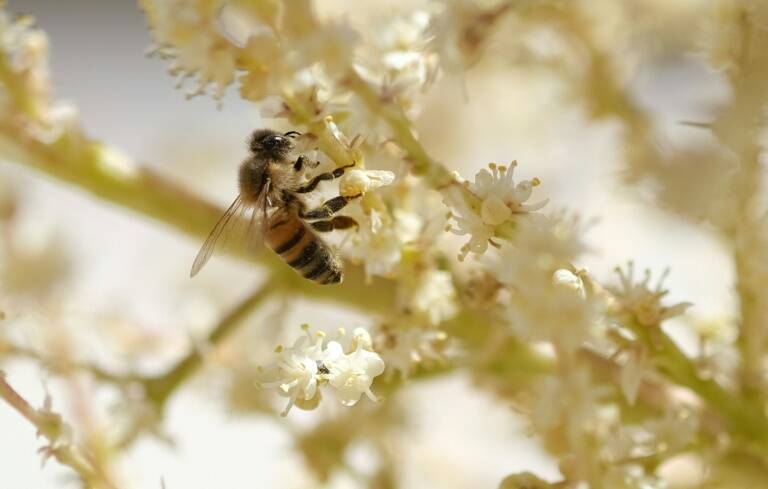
92	166
159	389
52	427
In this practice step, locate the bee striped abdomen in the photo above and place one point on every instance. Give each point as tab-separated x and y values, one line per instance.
298	245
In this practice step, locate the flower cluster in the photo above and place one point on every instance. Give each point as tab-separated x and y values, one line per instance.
482	208
28	93
312	362
212	41
401	63
547	301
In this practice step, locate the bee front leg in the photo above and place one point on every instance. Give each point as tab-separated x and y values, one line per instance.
329	208
299	164
322	177
338	222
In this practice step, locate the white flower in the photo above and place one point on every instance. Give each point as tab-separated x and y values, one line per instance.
297	370
404	350
377	246
566	278
469	223
542	243
492	200
361	336
358	181
499	186
310	363
642	301
635	368
399	59
190	34
571	401
435	296
352	375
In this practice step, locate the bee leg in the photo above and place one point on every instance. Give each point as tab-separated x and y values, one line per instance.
302	162
321	177
338	222
329	208
299	164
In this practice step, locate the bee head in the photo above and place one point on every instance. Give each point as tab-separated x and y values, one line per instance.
271	145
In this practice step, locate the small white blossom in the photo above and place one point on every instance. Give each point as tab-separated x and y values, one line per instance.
499	185
468	223
642	301
190	34
541	306
298	369
310	363
494	199
566	278
399	59
352	374
633	371
361	336
403	350
435	296
377	246
358	181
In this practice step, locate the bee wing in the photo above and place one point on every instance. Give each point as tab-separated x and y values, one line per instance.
223	227
257	223
232	224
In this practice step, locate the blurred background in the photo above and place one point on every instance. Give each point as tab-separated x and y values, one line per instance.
133	273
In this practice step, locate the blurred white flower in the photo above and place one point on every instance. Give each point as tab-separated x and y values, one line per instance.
435	296
399	60
547	302
566	278
378	247
189	33
406	348
26	92
642	301
635	368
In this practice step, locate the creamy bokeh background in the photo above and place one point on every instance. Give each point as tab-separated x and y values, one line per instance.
138	269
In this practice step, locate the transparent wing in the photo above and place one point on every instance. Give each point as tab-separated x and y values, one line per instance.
242	222
257	226
223	227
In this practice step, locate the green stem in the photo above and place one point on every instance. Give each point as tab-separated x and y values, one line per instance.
159	389
744	419
739	127
88	165
51	426
433	171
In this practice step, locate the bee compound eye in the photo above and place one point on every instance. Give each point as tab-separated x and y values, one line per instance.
274	141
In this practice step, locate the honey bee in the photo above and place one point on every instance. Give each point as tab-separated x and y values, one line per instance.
270	183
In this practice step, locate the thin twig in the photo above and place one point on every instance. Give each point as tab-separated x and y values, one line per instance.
51	426
160	388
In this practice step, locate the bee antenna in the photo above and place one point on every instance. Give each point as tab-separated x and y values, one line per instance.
292	134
